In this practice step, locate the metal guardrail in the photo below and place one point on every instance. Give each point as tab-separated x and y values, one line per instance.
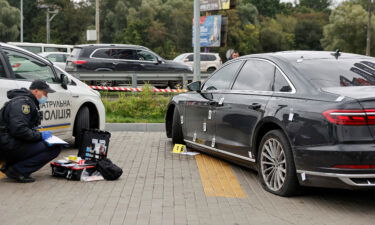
136	77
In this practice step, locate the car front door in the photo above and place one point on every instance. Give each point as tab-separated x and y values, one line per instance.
244	106
200	107
149	62
57	111
6	82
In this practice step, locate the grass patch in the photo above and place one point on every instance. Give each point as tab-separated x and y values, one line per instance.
136	107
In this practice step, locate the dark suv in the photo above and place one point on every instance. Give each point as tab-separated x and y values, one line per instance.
118	57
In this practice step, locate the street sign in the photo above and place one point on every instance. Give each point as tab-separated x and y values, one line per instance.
210	28
210	5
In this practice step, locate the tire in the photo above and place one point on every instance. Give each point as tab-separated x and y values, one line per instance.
175	84
177	135
211	69
82	122
277	174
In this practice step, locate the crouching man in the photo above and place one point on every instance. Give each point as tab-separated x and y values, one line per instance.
21	145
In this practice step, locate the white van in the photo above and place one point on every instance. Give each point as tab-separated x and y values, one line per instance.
41	47
73	107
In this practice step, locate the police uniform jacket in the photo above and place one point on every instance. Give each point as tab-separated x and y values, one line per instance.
20	117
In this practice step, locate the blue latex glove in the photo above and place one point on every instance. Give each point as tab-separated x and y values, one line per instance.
46	135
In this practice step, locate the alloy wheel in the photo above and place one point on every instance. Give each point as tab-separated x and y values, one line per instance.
273	164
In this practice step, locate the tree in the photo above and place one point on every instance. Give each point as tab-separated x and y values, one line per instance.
268	8
347	29
318	5
9	20
309	30
274	37
68	27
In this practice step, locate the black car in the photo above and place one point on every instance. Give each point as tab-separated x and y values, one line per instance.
299	118
119	57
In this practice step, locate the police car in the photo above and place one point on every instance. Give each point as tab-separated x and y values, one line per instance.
73	107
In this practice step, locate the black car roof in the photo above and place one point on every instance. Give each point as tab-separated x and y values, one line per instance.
292	56
109	45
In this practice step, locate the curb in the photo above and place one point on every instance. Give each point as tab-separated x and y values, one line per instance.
139	127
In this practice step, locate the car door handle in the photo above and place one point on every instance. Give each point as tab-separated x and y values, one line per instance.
75	96
115	63
255	106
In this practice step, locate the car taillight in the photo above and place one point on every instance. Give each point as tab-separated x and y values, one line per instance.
79	62
351	117
354	166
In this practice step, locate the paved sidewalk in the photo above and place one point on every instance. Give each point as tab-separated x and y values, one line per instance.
159	187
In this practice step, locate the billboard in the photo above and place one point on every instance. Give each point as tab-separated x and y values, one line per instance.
210	5
210	29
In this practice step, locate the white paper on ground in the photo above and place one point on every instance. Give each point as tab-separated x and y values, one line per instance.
53	140
189	153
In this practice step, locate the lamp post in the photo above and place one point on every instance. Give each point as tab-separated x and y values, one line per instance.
197	41
97	24
368	43
21	18
48	18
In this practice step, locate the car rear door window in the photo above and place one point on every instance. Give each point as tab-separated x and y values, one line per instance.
115	53
211	58
28	68
281	84
255	75
223	77
146	56
125	54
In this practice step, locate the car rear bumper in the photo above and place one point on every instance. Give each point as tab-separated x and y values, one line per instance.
316	165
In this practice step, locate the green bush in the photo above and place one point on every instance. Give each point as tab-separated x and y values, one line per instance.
136	107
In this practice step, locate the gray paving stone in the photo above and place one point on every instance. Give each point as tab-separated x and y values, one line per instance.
158	187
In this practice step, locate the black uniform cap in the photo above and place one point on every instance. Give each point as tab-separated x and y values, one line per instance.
41	85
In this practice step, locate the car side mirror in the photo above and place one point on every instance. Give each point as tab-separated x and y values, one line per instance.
159	61
195	86
64	81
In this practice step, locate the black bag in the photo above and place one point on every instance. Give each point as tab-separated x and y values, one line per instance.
94	145
108	169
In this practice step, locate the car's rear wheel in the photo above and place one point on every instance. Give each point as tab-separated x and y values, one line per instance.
105	83
276	167
82	122
177	135
175	84
211	69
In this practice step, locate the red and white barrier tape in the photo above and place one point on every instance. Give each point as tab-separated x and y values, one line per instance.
103	88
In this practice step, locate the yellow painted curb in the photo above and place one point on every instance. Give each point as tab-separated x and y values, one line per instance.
218	178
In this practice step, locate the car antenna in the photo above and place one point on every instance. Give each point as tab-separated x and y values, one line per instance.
336	54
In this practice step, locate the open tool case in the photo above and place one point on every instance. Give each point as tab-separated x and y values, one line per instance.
94	147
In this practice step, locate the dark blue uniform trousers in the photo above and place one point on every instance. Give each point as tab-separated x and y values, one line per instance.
31	157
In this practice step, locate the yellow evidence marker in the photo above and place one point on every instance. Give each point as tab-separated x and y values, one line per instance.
178	148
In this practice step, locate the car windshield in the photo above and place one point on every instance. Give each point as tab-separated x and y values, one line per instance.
338	73
179	58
